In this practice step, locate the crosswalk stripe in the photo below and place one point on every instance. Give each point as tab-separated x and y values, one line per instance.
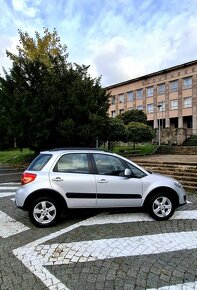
8	193
8	189
10	226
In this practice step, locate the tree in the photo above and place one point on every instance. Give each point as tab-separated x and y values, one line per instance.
48	101
133	116
115	131
139	132
44	49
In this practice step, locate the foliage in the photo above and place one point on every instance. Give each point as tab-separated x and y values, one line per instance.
116	130
44	49
16	157
49	102
133	116
142	149
139	132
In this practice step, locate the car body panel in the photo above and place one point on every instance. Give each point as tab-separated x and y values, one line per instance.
118	191
78	189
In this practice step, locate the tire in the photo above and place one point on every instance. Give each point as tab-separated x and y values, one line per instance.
44	212
161	206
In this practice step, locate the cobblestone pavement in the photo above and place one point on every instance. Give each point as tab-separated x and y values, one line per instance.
116	249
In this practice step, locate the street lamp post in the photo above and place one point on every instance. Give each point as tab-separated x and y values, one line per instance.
159	106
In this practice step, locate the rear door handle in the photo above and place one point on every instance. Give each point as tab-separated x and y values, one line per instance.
102	181
57	179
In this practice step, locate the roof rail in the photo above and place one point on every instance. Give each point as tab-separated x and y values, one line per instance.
75	148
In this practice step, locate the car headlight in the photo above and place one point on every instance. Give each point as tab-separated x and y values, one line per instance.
178	184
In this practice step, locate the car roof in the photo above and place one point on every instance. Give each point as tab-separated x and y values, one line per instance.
73	149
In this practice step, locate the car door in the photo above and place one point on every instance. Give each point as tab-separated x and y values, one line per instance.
113	188
72	177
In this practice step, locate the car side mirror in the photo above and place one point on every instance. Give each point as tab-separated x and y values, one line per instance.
127	172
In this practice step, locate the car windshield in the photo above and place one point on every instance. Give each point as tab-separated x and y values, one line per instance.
39	162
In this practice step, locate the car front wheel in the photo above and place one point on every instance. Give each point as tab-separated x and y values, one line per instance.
44	212
161	206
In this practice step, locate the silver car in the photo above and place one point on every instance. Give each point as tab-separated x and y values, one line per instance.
62	179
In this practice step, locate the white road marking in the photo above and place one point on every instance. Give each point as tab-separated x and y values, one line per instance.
86	251
8	189
36	255
14	187
7	193
185	286
10	226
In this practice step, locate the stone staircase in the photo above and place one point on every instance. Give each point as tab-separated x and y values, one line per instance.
191	141
184	172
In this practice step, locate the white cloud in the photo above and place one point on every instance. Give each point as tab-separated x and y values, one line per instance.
120	39
25	7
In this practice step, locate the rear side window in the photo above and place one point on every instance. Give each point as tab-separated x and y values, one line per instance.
72	163
39	162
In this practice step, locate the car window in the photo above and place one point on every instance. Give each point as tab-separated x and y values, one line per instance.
136	172
39	162
109	165
72	163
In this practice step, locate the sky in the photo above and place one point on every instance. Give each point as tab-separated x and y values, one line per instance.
119	39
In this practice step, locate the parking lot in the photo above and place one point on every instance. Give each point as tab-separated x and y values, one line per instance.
97	249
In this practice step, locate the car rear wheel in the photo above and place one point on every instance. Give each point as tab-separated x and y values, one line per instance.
44	212
162	206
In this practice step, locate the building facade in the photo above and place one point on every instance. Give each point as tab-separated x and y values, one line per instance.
168	97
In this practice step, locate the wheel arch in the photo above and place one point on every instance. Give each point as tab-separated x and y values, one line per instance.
47	193
162	189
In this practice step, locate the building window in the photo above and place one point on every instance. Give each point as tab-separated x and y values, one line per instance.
140	107
174	104
161	89
129	96
187	102
187	83
174	86
113	100
149	91
149	108
161	106
121	111
140	94
113	114
121	98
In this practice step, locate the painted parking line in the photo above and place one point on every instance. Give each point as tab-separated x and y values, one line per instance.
10	226
36	255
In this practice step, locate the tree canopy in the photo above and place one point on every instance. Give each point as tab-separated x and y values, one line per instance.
133	116
48	102
139	132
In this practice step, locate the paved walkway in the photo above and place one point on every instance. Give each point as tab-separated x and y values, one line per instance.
167	158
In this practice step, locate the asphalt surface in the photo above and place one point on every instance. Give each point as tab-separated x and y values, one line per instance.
109	249
10	174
